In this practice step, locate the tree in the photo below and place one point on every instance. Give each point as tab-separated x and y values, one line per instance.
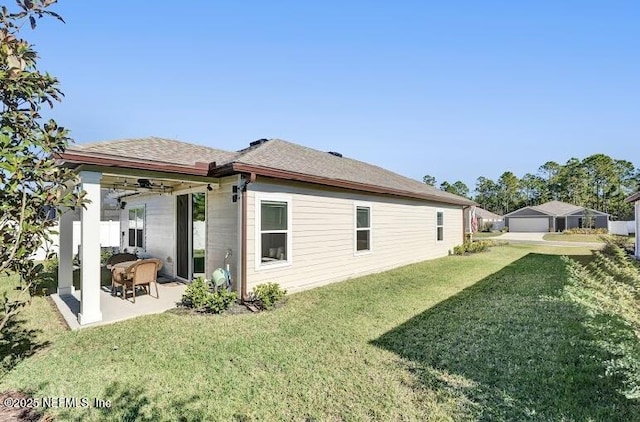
32	188
429	180
457	188
508	191
487	194
549	172
532	189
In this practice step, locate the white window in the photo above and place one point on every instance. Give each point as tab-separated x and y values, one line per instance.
273	230
362	228
136	227
440	226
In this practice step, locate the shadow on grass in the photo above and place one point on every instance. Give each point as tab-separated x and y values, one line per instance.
17	343
511	348
133	403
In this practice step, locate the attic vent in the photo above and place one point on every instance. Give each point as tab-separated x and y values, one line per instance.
337	154
258	142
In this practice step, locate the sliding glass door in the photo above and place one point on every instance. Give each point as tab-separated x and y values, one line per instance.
191	235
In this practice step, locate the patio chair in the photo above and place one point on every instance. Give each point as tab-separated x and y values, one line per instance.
116	279
141	274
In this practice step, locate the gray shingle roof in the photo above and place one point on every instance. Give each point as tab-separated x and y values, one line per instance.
287	156
557	208
487	215
157	149
273	154
633	198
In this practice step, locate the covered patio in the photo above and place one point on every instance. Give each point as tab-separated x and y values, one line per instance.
92	304
114	309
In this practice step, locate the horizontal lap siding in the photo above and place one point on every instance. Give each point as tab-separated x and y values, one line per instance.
403	232
222	226
159	227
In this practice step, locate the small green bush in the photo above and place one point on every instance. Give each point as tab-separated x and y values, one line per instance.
476	246
196	295
585	231
51	264
268	294
219	301
199	296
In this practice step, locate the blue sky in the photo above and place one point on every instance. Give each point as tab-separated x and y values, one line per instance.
455	89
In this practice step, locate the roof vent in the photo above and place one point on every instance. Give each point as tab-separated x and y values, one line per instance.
258	142
337	154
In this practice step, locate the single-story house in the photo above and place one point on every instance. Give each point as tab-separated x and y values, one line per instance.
486	217
635	199
282	212
555	216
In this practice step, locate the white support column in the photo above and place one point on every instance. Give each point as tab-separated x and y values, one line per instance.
90	311
65	254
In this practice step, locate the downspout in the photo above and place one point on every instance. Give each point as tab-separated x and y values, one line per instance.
243	253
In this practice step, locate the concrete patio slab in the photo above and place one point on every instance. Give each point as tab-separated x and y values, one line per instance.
115	309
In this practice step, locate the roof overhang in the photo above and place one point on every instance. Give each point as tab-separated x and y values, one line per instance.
338	183
82	160
633	198
76	158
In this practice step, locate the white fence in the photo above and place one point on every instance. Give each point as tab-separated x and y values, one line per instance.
622	228
109	237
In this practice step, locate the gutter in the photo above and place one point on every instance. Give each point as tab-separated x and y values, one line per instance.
345	184
243	253
199	169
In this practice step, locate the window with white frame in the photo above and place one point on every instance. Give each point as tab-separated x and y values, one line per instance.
440	226
136	227
274	227
363	228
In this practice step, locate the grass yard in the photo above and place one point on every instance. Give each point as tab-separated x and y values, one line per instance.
560	237
480	337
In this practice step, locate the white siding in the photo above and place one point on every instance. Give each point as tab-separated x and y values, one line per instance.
403	232
222	223
159	227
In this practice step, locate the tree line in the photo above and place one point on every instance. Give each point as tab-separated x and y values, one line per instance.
598	182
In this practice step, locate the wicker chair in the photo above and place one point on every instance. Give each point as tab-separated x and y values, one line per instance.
116	273
140	274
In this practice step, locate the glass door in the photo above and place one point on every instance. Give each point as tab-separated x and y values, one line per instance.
191	235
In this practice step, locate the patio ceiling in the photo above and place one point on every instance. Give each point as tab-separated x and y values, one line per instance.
132	183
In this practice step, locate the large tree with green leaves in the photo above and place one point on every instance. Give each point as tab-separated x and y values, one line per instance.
33	189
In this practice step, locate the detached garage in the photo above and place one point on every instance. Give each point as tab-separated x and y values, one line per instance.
554	216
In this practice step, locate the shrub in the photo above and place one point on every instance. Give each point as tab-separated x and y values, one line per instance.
585	231
487	227
196	295
476	246
219	301
199	296
268	294
51	264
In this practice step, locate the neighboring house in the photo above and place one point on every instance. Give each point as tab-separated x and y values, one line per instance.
487	217
635	199
554	216
287	213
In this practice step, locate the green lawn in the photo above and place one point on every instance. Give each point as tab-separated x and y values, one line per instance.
480	337
591	238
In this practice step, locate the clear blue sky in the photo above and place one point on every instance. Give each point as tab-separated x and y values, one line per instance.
455	89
